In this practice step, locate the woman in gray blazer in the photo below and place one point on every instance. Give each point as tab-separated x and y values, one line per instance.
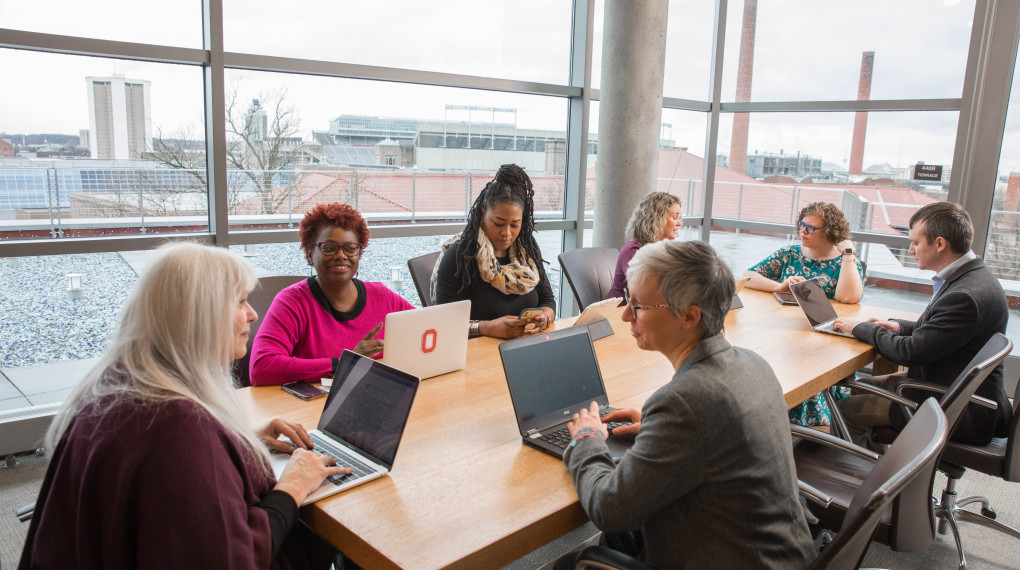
710	480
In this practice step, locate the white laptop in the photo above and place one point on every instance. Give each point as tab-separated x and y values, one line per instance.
429	341
816	306
596	317
361	423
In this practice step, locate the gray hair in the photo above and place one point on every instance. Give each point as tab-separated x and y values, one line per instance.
649	217
690	273
174	341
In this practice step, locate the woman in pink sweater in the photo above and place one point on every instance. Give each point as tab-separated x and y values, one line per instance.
311	322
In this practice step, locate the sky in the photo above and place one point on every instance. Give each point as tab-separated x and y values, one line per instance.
804	50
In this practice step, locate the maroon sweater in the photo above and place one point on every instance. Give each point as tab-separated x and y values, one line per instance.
155	486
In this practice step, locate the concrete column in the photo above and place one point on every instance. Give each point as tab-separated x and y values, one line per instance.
630	112
861	117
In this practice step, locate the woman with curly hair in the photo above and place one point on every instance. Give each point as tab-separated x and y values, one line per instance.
825	250
496	263
657	217
311	322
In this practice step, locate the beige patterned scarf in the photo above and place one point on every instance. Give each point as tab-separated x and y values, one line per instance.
518	277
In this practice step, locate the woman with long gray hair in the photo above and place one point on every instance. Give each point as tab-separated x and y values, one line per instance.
154	463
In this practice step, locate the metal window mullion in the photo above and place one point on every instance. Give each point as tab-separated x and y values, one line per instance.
987	82
215	121
575	179
712	126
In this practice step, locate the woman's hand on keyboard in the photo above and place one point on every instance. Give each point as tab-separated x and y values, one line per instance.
271	432
632	415
305	472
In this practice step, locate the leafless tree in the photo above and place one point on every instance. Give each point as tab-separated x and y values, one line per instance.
262	138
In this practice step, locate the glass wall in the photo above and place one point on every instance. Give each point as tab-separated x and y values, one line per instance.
407	110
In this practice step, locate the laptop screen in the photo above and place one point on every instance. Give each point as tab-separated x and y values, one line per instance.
368	405
552	375
813	302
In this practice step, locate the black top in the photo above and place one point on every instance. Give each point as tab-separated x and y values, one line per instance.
340	316
487	302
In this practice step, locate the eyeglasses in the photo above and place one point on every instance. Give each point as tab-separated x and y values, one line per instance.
329	248
808	228
634	305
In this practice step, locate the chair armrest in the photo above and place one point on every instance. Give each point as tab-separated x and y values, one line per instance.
937	388
868	388
25	513
814	495
835	442
604	557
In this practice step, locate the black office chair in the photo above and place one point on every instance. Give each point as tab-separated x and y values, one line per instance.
421	273
589	271
1000	458
912	456
835	472
260	299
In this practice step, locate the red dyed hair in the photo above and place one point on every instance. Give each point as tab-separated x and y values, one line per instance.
336	214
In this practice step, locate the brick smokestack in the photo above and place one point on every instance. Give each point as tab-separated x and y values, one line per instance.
738	142
861	118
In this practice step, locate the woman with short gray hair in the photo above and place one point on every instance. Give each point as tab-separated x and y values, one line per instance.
711	459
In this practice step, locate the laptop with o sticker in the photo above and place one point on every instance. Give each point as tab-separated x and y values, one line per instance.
429	341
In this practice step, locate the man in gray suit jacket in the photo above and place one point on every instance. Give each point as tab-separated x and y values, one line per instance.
968	306
710	480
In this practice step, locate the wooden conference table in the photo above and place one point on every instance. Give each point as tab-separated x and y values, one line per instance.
465	492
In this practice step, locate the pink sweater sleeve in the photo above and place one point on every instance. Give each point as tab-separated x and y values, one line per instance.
299	339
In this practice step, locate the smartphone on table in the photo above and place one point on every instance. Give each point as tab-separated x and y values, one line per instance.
304	390
785	298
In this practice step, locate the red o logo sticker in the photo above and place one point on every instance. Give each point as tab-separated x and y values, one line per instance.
428	341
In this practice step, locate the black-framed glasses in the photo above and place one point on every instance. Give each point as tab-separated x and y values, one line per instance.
634	305
350	249
808	228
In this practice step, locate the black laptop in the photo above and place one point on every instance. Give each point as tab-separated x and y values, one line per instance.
551	377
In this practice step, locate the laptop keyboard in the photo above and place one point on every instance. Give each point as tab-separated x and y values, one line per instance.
343	459
561	437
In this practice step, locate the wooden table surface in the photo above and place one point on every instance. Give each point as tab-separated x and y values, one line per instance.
464	490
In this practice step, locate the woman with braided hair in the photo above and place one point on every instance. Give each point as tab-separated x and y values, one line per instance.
496	263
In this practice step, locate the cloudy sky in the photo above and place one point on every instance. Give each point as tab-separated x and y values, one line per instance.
804	50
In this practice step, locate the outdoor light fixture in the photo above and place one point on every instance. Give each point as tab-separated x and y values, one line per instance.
73	285
395	283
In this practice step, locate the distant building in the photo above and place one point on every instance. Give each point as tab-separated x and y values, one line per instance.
6	149
120	119
367	130
795	166
83	138
256	121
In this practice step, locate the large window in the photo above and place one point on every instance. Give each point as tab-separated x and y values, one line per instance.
525	40
406	109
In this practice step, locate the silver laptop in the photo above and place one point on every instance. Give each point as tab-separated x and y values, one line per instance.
816	306
429	341
361	423
551	377
596	317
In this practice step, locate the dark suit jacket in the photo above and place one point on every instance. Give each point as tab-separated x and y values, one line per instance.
710	479
967	310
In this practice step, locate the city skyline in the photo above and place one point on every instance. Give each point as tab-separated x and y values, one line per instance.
914	59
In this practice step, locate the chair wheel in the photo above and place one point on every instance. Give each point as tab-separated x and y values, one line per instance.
988	512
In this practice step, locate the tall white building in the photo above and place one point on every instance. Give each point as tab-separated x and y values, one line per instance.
120	119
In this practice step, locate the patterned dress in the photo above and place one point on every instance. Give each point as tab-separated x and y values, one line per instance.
787	262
